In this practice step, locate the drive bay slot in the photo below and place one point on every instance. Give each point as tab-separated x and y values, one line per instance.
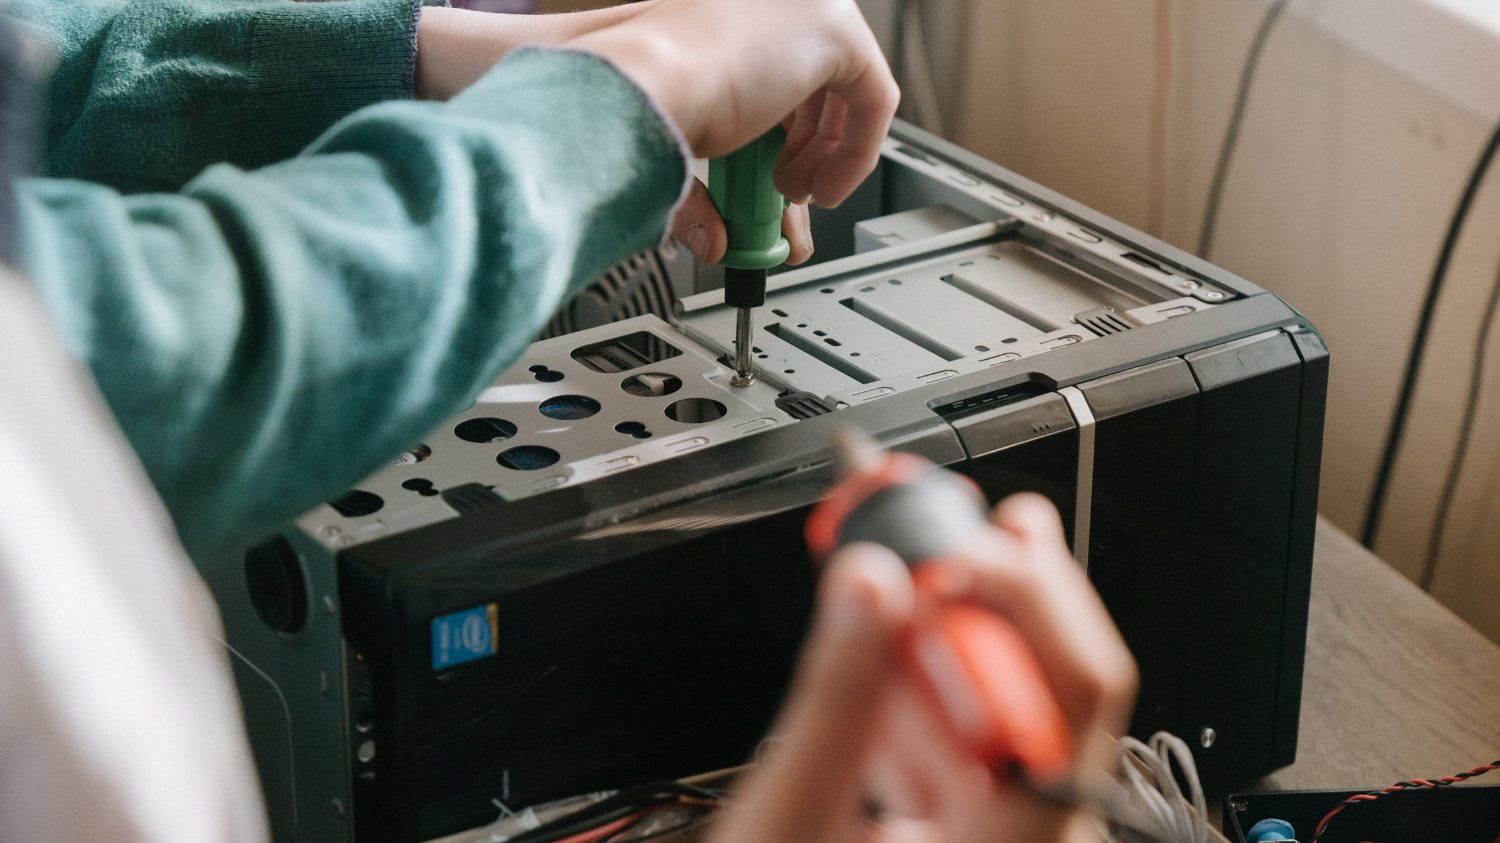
825	355
906	332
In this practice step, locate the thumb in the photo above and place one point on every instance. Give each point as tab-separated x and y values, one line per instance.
809	787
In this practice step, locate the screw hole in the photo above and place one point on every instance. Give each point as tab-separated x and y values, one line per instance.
545	375
421	486
633	428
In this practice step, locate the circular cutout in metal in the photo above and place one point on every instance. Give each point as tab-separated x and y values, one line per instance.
568	407
484	430
528	457
696	410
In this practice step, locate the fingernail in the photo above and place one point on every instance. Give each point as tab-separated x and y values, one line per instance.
807	237
696	242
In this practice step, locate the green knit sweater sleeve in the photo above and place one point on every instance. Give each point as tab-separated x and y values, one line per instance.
149	92
267	338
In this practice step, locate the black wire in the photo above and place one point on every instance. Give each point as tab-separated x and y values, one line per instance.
1419	342
1232	131
1471	409
622	804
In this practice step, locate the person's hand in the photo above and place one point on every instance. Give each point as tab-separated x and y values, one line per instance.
855	733
698	227
726	71
457	46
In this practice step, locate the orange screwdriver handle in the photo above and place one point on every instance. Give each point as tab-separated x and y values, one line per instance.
970	664
987	685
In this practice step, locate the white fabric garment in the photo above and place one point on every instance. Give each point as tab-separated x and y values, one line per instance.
118	718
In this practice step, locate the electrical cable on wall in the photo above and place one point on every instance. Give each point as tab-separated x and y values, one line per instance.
1232	130
1465	431
1419	342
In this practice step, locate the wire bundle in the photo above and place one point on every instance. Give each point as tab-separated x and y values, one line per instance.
1410	784
615	817
1150	771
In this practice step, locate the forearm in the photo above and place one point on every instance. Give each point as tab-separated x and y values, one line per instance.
455	47
149	92
268	338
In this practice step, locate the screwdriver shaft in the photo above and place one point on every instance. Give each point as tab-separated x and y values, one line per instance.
744	373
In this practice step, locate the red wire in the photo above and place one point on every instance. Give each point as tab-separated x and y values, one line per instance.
595	834
1399	786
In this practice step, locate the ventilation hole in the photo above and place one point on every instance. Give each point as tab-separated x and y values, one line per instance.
826	290
568	407
357	503
831	341
894	282
696	410
651	384
635	429
421	486
484	430
867	289
790	371
854	354
762	356
1008	340
981	348
755	348
820	333
545	375
528	457
779	312
802	324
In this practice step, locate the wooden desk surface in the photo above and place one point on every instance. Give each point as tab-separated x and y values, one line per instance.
1395	685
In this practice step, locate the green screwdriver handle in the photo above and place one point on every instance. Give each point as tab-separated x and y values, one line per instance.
741	187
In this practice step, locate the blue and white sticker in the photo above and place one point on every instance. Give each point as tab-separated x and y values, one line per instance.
464	636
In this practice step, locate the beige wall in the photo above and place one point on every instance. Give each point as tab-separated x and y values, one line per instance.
1344	180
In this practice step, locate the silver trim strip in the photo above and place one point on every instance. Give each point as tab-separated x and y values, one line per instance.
1083	505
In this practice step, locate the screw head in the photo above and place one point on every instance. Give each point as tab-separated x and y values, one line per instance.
1213	295
1188	285
338	807
1207	736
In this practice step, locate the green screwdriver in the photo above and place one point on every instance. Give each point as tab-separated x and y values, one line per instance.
741	187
